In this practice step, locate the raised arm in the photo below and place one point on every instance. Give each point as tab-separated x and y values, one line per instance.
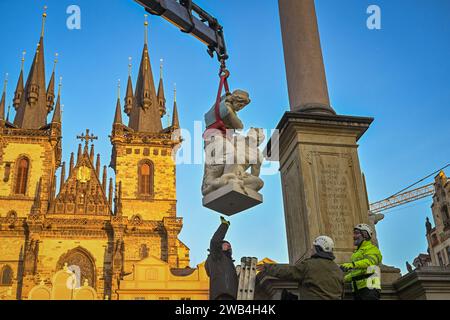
215	246
286	272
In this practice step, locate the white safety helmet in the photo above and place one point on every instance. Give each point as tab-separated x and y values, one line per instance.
326	243
364	227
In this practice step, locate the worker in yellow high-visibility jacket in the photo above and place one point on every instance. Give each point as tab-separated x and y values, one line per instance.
363	271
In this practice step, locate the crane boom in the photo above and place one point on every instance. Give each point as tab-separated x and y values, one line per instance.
402	198
180	14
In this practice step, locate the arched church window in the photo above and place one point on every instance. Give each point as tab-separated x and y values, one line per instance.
146	178
23	166
6	276
80	262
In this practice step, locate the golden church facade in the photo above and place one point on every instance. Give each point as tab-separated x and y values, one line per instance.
102	230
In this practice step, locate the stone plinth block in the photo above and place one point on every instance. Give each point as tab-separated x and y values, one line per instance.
323	189
231	199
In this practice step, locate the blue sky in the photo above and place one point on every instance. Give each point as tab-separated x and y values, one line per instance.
399	75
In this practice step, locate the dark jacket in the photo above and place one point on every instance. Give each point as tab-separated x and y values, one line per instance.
319	278
220	268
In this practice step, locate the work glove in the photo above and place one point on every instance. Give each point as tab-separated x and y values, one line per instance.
347	266
223	220
348	278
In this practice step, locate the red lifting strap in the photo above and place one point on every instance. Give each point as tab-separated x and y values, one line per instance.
219	124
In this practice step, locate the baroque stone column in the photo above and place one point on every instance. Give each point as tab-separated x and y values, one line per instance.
323	189
307	84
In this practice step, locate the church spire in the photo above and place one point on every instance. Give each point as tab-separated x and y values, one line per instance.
19	88
57	113
32	111
144	116
51	87
71	163
3	100
118	115
175	120
161	96
129	98
44	18
146	29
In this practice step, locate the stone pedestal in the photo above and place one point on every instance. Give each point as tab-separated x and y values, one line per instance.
271	288
426	283
321	179
231	199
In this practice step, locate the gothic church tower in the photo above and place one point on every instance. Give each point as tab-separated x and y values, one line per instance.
145	168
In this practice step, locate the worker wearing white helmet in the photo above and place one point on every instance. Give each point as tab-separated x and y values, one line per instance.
363	271
319	277
325	243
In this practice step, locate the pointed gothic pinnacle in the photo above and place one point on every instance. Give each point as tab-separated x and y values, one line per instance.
63	175
79	154
161	66
110	193
55	61
129	66
175	119
97	165
59	86
146	29
71	163
44	17
23	59
3	99
5	83
57	114
92	154
161	96
51	88
175	93
118	114
33	95
129	96
105	177
19	87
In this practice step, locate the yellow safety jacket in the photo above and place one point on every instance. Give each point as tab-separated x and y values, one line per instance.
366	272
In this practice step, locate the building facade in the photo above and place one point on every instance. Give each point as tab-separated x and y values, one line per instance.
438	237
97	229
